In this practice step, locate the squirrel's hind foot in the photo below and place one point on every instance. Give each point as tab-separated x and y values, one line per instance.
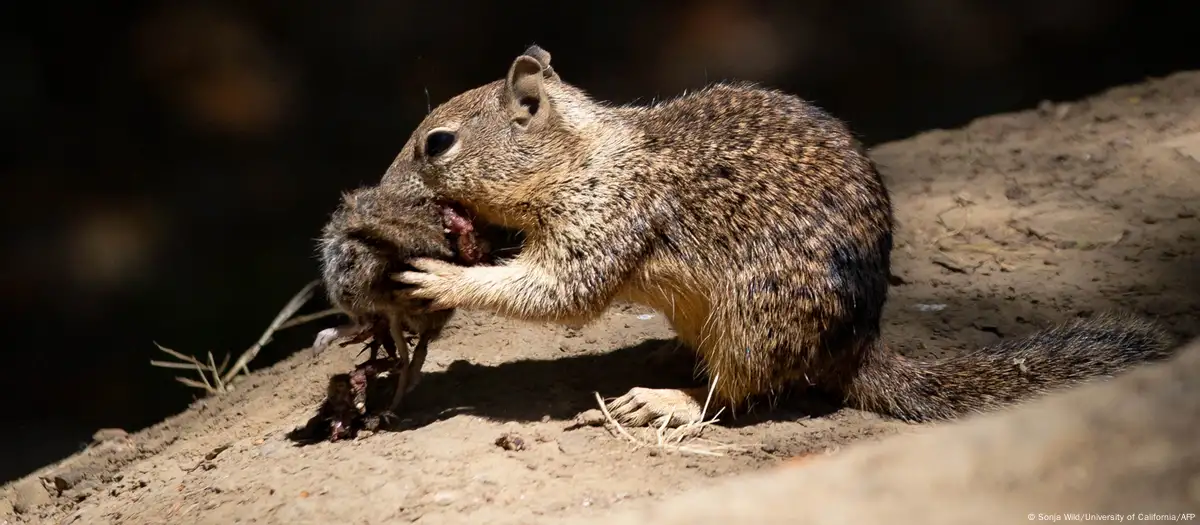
654	406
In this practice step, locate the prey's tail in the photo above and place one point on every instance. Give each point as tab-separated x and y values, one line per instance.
984	380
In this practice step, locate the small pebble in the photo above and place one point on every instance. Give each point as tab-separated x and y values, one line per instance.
109	434
510	442
81	491
66	479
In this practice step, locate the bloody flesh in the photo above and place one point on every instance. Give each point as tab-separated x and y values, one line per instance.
464	238
353	402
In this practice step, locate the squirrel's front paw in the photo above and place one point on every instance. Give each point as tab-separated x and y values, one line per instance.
434	280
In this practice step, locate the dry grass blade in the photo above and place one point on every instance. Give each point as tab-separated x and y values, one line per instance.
172	364
618	426
196	384
207	385
224	364
212	365
950	231
187	362
286	313
304	319
185	358
223	375
672	439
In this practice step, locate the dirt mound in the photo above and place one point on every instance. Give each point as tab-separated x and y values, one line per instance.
1123	450
1007	225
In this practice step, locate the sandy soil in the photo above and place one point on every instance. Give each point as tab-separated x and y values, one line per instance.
1009	224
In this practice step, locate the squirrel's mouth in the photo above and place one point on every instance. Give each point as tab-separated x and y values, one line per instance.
456	218
474	240
459	225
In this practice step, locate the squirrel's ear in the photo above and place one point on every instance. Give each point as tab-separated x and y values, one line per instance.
525	92
543	57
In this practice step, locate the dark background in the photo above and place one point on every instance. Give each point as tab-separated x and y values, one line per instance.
166	166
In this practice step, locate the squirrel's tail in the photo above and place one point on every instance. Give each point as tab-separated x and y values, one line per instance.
994	377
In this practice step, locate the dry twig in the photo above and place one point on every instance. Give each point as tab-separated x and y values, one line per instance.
217	379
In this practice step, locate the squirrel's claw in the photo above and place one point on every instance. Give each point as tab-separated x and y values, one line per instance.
436	267
428	274
419	280
658	407
434	280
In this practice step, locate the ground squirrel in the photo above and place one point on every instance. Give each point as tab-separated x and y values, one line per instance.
754	221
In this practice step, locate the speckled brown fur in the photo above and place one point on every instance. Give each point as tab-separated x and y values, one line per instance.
370	236
753	220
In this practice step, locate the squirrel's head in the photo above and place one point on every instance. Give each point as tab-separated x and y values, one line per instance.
487	147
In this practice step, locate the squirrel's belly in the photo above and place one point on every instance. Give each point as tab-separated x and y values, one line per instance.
685	305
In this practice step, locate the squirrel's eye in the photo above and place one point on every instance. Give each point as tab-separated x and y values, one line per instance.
438	142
